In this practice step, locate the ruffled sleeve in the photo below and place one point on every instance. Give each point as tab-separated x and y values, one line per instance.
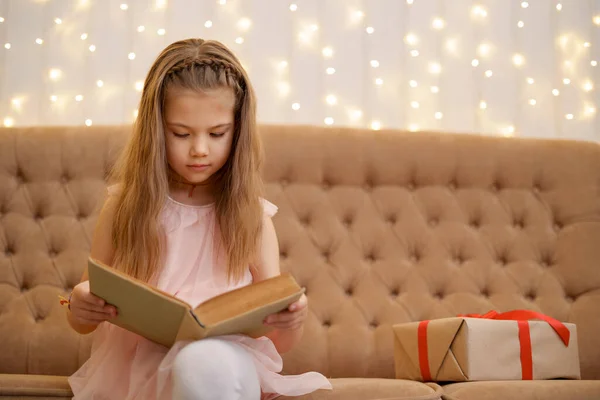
270	208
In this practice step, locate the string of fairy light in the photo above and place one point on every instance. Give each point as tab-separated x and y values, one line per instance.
307	34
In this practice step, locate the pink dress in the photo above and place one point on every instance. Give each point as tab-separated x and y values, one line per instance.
124	365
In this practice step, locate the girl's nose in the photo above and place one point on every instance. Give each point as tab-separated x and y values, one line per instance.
199	146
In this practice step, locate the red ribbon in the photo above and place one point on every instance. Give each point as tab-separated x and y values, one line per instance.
521	316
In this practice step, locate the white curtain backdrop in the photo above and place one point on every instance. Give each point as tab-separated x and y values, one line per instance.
498	67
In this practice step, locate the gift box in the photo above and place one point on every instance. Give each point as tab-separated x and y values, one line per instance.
516	345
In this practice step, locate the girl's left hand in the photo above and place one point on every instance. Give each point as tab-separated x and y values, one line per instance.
291	318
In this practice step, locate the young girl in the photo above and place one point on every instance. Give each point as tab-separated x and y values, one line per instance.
185	214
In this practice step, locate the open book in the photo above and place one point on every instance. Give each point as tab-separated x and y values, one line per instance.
165	319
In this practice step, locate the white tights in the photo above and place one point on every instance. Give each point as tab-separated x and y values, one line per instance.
212	369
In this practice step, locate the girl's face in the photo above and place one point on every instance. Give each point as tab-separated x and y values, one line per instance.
198	131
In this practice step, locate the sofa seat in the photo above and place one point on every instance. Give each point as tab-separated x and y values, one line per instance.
376	389
524	390
56	387
16	386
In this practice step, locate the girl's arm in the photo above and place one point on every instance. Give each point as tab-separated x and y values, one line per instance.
288	324
86	311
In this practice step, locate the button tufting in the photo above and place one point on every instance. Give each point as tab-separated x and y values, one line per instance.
283	254
368	185
458	259
496	186
52	253
373	324
325	254
570	299
519	224
9	251
557	226
371	257
284	182
347	221
81	216
305	220
475	223
65	178
530	296
349	291
452	185
395	292
415	256
391	219
411	185
327	323
326	184
20	177
485	292
433	222
38	216
502	259
438	295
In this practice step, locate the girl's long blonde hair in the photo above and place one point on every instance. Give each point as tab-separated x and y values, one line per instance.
142	169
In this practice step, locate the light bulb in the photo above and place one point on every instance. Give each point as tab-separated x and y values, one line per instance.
327	52
566	81
413	127
99	83
489	73
594	63
559	7
518	60
475	62
293	7
55	74
378	81
375	125
131	56
370	30
438	115
79	97
244	24
161	32
161	3
139	85
520	24
329	121
314	27
569	116
482	105
484	49
239	40
435	89
222	2
331	100
53	98
84	36
509	131
141	28
208	24
478	11
88	122
7	46
588	86
136	113
452	45
414	53
414	104
409	2
597	20
92	48
284	88
57	21
524	4
435	68
124	6
530	81
330	71
411	39
532	102
590	110
374	63
355	114
39	41
438	23
413	83
295	106
17	102
8	122
555	92
1	19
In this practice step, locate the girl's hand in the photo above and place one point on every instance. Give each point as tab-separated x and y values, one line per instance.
87	308
291	318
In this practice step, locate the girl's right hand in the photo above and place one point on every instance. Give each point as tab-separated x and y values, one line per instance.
87	308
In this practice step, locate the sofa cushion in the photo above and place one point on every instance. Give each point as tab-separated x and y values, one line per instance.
523	390
34	386
376	389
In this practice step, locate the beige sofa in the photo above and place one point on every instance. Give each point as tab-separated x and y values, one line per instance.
380	227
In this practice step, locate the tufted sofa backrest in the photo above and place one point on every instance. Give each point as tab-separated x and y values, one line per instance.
380	227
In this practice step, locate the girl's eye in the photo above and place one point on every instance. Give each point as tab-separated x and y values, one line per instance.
217	134
180	135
